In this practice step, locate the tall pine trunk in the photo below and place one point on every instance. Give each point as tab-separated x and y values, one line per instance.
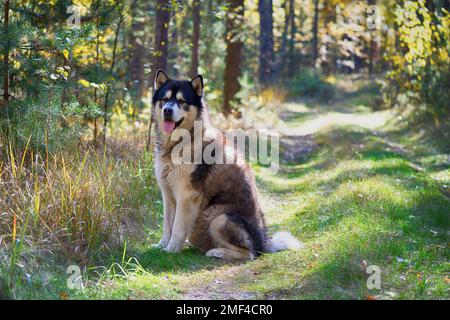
292	61
266	54
235	45
97	65
372	44
174	54
208	36
162	20
195	38
6	54
111	70
315	30
284	38
135	66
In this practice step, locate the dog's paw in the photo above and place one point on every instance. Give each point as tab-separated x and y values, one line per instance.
215	253
162	244
174	246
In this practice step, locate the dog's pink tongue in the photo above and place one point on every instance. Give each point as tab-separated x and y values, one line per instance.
168	126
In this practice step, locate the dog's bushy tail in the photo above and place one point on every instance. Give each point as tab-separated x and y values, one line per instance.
283	240
260	241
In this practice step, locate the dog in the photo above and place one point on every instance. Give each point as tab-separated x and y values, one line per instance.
212	205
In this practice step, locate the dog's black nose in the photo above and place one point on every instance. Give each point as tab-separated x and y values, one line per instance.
168	112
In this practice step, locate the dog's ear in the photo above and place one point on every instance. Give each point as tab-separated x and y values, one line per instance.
197	85
160	79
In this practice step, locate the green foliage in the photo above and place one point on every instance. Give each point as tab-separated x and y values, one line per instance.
44	122
44	111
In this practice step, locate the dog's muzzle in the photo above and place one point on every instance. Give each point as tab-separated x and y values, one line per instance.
172	116
168	114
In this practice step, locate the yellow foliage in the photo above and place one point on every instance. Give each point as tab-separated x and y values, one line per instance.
273	94
331	79
66	54
419	33
84	3
84	83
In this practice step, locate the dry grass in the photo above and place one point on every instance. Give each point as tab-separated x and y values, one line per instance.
77	204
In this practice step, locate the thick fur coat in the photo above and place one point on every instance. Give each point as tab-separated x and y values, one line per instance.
213	205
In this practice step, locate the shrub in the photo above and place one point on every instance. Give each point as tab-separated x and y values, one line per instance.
421	68
44	123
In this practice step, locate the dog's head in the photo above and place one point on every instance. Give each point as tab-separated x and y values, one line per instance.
177	104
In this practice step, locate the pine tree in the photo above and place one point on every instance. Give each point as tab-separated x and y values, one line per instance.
233	60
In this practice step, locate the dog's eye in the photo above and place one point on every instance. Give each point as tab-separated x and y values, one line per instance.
163	101
181	101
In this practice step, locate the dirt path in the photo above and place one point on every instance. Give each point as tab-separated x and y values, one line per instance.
297	137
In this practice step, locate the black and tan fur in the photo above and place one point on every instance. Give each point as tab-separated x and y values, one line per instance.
214	206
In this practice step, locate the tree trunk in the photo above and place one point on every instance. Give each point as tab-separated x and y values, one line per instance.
195	38
233	40
284	38
6	54
372	43
135	67
208	37
292	61
111	69
328	17
173	45
315	30
162	21
266	55
97	65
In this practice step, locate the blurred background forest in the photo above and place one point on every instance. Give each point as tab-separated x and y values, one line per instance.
76	81
68	66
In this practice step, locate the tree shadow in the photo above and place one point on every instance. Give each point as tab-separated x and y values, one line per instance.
189	259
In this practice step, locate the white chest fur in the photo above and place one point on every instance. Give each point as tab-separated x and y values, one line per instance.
177	178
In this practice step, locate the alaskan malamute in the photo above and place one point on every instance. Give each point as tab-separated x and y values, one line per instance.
213	205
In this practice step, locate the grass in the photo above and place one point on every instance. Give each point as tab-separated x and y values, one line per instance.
361	197
364	206
70	208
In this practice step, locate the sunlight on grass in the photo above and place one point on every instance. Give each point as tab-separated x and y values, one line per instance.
372	221
368	121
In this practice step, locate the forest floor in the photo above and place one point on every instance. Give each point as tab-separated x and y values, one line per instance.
356	186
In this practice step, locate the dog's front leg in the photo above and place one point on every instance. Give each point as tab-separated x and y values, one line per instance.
185	215
169	215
